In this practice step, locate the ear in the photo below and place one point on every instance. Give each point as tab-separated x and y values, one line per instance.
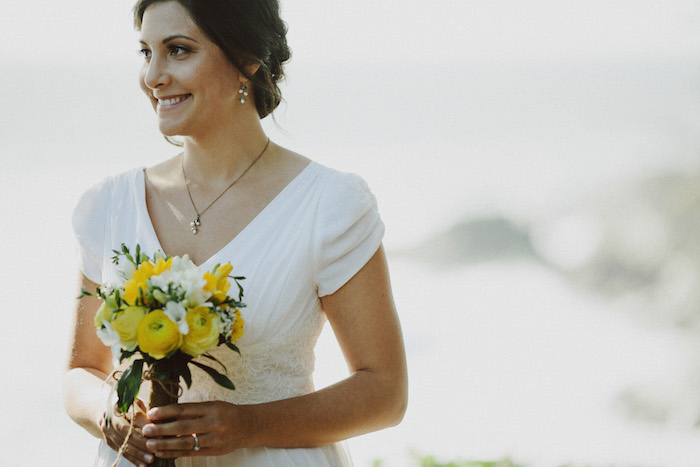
251	69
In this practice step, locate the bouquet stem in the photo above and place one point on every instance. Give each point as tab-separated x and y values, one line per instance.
163	393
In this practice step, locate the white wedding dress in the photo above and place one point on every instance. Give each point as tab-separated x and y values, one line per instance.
318	232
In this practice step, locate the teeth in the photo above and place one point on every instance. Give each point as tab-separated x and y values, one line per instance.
171	101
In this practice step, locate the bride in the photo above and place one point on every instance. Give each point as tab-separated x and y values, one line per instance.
307	238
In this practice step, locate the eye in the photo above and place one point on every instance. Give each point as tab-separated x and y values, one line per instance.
145	53
178	50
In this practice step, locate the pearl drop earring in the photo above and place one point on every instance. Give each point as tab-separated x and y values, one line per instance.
243	92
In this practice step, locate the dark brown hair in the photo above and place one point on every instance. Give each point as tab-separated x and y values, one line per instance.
248	32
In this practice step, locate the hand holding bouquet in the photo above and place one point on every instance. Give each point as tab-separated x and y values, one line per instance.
166	313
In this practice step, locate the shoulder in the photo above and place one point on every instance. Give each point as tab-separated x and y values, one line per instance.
343	188
109	184
98	196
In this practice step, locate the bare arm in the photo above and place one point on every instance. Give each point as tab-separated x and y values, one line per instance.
374	396
89	364
85	393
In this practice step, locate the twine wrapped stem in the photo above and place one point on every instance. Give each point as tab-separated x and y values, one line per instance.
163	392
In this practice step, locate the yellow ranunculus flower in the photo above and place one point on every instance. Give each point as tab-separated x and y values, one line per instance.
237	329
126	323
157	335
131	287
204	331
103	313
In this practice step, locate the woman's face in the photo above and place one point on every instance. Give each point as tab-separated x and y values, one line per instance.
190	82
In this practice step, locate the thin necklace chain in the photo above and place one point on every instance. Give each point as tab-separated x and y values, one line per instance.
194	225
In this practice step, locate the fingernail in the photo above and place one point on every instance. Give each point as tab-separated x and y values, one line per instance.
150	445
148	457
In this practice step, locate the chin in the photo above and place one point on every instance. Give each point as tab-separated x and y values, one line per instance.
171	130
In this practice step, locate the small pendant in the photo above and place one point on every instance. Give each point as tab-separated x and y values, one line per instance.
194	225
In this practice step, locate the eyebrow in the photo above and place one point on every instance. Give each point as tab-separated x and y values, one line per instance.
170	38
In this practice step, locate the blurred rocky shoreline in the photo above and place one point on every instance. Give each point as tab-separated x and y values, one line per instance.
635	244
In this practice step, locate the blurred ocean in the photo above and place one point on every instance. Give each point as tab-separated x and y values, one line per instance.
506	358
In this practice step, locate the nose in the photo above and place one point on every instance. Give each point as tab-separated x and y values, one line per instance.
155	73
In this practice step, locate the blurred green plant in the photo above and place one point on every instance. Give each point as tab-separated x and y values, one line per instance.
431	461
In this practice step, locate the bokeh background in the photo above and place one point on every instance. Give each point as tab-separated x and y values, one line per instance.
536	164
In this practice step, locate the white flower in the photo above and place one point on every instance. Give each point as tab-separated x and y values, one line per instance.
186	277
126	271
110	338
107	334
197	296
177	314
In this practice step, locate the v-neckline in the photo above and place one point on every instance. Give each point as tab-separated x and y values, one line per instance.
149	222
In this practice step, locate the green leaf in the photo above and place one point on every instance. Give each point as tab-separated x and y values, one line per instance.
138	253
187	376
214	359
84	293
233	347
240	287
128	385
128	256
220	379
126	354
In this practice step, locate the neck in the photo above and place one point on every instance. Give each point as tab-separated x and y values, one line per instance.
220	156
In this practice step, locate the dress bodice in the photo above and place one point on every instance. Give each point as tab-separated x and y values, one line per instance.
267	370
318	232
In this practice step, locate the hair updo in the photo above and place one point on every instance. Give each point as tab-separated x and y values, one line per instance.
248	32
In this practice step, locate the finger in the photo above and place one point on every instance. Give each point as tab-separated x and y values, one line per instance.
136	456
140	406
186	410
181	446
177	428
123	427
135	450
140	420
190	453
132	453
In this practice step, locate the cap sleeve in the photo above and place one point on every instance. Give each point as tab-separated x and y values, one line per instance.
89	225
348	231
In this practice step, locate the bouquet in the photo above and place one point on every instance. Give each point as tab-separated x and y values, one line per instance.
164	315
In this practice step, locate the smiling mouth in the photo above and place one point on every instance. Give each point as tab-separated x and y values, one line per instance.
172	101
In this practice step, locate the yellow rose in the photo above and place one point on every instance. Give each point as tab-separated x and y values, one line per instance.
157	335
204	331
126	324
237	329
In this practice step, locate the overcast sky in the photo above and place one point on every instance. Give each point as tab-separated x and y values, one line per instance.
387	31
